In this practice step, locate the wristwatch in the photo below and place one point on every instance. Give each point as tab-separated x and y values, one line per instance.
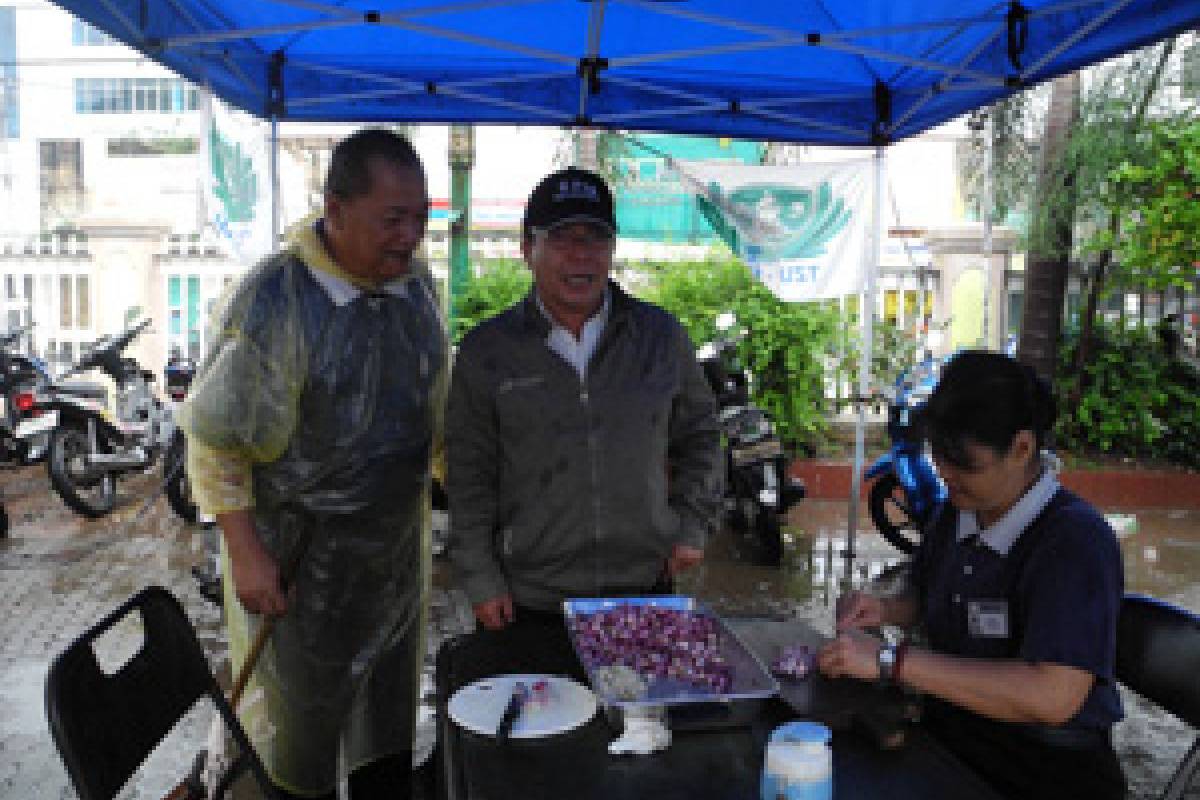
891	657
887	664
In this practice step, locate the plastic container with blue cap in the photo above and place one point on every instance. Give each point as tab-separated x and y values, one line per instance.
798	764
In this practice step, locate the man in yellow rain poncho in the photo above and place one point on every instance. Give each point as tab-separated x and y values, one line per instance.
310	427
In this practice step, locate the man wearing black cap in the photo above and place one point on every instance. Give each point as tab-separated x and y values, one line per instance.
583	449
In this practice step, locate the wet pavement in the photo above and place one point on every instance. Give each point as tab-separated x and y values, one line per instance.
62	573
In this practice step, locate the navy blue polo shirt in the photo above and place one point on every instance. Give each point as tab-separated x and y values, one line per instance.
1052	597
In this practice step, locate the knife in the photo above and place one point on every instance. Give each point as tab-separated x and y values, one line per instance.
520	695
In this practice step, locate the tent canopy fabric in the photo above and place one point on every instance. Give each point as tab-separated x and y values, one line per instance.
836	72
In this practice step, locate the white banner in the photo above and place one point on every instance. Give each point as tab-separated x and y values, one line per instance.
803	230
237	182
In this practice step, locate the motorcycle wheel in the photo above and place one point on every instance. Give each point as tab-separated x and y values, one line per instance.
179	488
91	496
891	516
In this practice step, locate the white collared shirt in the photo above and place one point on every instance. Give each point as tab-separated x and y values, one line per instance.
576	352
1001	535
342	291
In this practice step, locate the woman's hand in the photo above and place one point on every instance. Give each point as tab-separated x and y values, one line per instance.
853	655
857	610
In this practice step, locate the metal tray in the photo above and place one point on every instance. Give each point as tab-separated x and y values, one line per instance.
751	680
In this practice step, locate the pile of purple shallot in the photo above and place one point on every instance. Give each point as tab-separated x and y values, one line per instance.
795	662
658	643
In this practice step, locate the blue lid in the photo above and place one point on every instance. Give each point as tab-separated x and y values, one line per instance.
802	731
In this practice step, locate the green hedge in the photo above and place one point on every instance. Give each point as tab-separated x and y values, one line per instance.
1135	401
786	347
501	283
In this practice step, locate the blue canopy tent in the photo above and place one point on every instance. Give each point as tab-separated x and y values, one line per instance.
826	72
837	72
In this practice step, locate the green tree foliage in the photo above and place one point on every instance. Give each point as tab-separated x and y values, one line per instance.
786	348
501	283
1014	157
1127	183
1156	195
1120	99
1130	398
1135	401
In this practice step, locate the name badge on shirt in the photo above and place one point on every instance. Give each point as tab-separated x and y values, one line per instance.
987	619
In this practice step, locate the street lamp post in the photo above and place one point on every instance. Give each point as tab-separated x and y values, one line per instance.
462	159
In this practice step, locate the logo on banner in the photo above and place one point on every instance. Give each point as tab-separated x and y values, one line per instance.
801	229
779	223
235	183
237	202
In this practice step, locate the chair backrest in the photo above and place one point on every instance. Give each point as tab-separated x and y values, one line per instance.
1158	654
106	724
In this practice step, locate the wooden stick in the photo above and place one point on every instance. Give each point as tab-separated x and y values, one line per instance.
183	790
268	625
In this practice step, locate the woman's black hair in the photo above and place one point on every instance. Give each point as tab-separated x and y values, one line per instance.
985	398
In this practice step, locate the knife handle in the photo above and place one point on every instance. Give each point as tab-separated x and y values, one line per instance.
509	717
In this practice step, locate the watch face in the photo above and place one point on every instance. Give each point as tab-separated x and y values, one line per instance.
887	661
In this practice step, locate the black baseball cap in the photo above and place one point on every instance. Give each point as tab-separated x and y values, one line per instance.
569	195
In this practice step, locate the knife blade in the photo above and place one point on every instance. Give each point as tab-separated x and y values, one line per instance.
520	695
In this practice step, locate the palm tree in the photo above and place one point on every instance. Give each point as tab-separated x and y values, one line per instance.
1050	243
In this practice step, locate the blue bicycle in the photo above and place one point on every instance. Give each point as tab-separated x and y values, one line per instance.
907	488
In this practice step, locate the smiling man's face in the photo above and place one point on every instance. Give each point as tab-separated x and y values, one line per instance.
374	235
571	264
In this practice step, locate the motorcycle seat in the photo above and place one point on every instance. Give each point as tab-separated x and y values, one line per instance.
95	391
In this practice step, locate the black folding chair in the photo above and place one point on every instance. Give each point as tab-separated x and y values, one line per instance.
105	725
1158	656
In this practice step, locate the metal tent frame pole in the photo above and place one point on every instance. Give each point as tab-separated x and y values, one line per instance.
867	315
274	170
987	203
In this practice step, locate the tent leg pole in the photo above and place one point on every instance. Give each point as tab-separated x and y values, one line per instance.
274	168
867	312
986	203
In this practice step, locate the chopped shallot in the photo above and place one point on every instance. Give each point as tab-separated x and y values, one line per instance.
794	662
656	643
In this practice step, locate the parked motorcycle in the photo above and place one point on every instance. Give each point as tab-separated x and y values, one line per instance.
92	444
20	375
24	430
907	488
757	487
178	376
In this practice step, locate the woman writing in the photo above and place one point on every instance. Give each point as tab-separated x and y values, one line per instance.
1016	584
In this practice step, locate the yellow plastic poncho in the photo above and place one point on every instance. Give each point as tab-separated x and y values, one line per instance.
319	404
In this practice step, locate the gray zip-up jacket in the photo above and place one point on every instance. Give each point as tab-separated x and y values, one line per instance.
566	488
